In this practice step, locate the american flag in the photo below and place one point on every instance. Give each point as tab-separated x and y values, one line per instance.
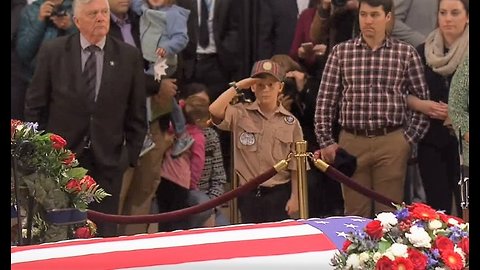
285	245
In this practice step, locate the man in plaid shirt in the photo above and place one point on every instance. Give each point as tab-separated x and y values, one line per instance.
365	82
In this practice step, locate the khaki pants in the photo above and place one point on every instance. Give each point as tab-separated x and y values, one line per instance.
140	183
381	166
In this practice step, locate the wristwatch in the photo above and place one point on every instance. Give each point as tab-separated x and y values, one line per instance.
235	86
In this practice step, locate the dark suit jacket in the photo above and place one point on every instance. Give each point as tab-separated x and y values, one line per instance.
225	31
56	99
152	86
276	28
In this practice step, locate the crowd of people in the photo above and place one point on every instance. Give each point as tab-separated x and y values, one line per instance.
142	92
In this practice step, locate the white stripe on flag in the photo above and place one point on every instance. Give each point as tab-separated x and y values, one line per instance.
79	248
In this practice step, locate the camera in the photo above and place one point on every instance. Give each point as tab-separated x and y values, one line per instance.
339	3
59	11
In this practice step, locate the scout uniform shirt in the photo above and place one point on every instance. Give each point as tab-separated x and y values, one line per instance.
260	142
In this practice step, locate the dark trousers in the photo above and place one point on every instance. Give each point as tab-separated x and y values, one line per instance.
324	194
440	171
208	71
265	204
110	179
171	197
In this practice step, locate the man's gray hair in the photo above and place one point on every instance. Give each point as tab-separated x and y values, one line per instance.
77	3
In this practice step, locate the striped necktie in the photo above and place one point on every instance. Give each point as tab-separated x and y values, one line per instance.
90	72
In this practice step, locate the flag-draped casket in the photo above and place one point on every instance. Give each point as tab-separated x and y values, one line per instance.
286	245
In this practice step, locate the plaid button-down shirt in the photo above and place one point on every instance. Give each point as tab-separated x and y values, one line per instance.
368	89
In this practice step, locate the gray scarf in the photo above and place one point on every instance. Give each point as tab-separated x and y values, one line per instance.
441	63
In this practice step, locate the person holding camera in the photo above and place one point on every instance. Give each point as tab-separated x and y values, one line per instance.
334	22
40	21
303	50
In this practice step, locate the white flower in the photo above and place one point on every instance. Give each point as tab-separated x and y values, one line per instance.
364	256
353	261
419	237
376	256
398	250
434	224
452	221
387	219
389	254
440	268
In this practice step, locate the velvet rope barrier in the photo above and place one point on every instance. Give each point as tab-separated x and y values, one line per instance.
340	177
177	214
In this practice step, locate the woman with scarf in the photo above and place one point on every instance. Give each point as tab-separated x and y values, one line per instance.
442	52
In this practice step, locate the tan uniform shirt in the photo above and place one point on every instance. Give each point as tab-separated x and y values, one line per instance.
261	142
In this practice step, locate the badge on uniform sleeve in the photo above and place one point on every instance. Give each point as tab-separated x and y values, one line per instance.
247	138
289	119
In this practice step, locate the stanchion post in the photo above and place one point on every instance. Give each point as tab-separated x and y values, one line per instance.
301	156
233	203
234	219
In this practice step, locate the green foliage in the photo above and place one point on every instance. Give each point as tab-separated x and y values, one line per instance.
49	173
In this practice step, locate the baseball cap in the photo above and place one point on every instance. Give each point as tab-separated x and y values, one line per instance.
267	67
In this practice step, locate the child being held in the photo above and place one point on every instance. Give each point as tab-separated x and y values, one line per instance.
163	34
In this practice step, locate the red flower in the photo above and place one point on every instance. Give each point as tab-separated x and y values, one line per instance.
452	259
443	243
422	211
83	232
57	141
384	263
13	126
346	244
87	181
73	185
418	259
401	263
464	244
69	159
374	229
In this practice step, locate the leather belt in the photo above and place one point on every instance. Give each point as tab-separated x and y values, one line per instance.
204	56
370	133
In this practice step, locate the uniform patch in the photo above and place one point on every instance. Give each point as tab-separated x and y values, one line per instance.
247	138
289	119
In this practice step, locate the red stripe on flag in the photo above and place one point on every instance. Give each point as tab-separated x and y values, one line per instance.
157	235
184	254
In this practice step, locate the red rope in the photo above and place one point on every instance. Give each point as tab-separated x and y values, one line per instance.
177	214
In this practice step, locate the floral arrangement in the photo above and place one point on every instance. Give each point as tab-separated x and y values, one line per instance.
414	237
50	174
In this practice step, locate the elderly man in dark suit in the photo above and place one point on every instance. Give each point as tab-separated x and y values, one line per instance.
104	123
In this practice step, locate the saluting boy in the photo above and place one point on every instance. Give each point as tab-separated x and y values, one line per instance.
263	133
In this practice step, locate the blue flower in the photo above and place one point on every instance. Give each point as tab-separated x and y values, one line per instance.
402	214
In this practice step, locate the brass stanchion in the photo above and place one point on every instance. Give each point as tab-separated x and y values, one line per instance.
234	219
301	156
